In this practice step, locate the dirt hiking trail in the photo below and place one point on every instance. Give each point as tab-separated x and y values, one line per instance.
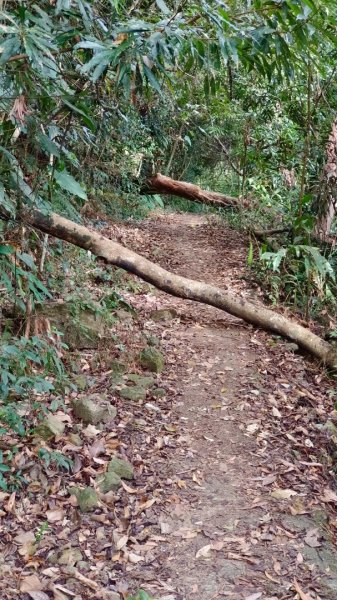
248	518
233	447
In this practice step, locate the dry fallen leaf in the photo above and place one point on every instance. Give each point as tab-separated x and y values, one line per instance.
204	552
134	558
131	490
253	427
24	537
280	494
31	584
91	431
38	596
145	505
302	595
311	538
165	527
122	542
329	496
61	588
58	595
97	448
10	505
255	596
53	516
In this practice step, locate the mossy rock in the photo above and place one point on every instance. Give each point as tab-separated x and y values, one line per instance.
152	360
122	467
49	428
81	327
153	340
134	393
108	482
94	409
70	556
75	439
87	498
159	393
118	367
81	382
140	380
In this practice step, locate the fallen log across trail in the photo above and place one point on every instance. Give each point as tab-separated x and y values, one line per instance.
161	184
176	285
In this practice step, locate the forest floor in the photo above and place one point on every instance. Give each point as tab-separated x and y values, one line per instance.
234	490
250	519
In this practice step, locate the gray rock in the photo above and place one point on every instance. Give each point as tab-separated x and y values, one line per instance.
122	467
70	557
94	409
87	498
134	393
50	427
108	482
152	359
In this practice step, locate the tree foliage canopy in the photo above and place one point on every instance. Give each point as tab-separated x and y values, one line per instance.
77	75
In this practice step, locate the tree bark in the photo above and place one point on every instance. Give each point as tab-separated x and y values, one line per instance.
327	198
161	184
118	255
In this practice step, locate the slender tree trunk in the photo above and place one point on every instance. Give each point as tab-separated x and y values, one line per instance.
160	184
116	254
327	198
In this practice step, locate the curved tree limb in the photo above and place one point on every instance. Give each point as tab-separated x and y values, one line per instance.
118	255
161	184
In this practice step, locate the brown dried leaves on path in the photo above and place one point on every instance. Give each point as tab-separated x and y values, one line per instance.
232	496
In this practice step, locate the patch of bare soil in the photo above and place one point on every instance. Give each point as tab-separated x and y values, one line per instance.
234	492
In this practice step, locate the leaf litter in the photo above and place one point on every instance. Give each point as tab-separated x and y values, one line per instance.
155	531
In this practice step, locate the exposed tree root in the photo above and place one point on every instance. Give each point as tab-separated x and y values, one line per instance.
160	184
118	255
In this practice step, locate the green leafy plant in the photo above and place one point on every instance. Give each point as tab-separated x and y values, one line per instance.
24	365
56	459
41	530
140	595
18	273
10	479
300	275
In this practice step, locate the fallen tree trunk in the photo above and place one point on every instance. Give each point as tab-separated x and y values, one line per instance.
160	184
118	255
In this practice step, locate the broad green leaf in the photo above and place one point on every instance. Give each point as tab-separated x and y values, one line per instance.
163	7
27	259
69	183
48	145
6	249
152	79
